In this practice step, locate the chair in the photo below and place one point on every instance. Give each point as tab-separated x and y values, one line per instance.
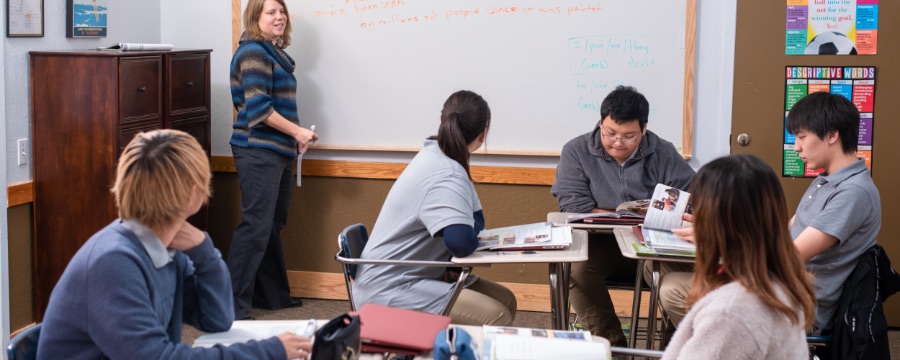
649	354
351	242
24	345
817	341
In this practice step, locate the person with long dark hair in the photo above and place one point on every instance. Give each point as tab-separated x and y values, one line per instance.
432	213
751	296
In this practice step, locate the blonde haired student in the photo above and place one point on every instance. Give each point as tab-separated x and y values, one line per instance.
751	297
127	291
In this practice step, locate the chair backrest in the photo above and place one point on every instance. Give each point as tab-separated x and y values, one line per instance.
24	345
352	241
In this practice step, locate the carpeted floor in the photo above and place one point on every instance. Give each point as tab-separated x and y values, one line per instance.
327	309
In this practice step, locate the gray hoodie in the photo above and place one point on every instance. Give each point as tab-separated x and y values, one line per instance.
587	177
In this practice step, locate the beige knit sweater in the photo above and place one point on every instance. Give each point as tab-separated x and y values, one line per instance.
732	323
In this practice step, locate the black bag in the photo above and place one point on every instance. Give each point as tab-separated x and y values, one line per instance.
337	340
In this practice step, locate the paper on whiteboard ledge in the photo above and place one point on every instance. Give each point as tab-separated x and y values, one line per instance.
138	47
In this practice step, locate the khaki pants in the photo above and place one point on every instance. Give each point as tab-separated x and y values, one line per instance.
588	291
484	303
675	281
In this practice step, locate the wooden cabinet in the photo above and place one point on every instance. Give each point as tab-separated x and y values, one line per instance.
86	106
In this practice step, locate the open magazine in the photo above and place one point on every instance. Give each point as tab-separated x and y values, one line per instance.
537	236
138	47
501	342
627	213
667	206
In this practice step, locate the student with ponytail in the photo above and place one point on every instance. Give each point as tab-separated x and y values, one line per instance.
432	213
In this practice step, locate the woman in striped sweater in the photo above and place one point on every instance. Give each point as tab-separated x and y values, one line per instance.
267	138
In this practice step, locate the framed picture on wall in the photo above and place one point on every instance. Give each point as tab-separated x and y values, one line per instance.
24	18
85	18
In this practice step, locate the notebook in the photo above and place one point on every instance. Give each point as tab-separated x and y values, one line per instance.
387	329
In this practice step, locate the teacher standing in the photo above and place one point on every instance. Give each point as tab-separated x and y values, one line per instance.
266	139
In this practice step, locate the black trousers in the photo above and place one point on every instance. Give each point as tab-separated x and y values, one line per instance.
255	258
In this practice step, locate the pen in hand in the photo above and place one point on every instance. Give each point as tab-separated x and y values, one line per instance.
313	129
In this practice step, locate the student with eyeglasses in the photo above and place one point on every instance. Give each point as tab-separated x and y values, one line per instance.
619	160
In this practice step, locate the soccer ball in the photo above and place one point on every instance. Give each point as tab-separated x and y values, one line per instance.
831	43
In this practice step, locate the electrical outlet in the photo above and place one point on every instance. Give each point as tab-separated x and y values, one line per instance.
22	151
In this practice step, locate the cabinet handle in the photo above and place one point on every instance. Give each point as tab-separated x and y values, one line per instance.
142	89
190	83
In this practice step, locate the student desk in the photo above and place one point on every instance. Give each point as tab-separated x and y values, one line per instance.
560	264
559	219
625	237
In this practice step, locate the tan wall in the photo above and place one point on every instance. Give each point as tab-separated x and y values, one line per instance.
21	235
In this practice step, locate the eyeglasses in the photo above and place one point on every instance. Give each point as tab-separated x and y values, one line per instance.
627	140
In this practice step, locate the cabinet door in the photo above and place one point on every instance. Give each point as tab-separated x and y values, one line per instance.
188	85
140	90
198	127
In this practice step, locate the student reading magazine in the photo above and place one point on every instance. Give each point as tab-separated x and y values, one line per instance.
618	160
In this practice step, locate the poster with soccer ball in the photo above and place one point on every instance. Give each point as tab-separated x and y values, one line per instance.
831	27
856	83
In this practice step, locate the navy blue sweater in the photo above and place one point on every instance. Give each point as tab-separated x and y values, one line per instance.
262	81
112	302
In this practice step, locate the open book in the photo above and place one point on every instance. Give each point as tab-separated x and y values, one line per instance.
537	236
525	343
138	47
627	213
667	206
243	331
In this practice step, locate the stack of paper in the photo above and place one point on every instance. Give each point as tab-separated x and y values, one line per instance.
243	331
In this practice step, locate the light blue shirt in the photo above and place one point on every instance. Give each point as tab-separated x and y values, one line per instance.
432	193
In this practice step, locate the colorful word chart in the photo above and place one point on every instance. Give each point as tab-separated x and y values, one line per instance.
856	83
831	27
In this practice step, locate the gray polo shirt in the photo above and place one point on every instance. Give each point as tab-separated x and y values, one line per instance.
845	205
433	192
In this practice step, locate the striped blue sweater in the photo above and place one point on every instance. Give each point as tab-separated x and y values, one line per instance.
262	81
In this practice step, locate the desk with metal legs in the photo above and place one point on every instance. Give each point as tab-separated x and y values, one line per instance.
560	264
625	237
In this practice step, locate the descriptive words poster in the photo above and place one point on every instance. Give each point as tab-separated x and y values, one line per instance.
856	83
831	27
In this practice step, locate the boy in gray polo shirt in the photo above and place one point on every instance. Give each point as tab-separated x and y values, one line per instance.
838	217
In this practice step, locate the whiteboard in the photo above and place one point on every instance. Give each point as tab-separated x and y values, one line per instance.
375	74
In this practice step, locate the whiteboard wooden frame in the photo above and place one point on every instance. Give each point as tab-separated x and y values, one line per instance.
687	100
